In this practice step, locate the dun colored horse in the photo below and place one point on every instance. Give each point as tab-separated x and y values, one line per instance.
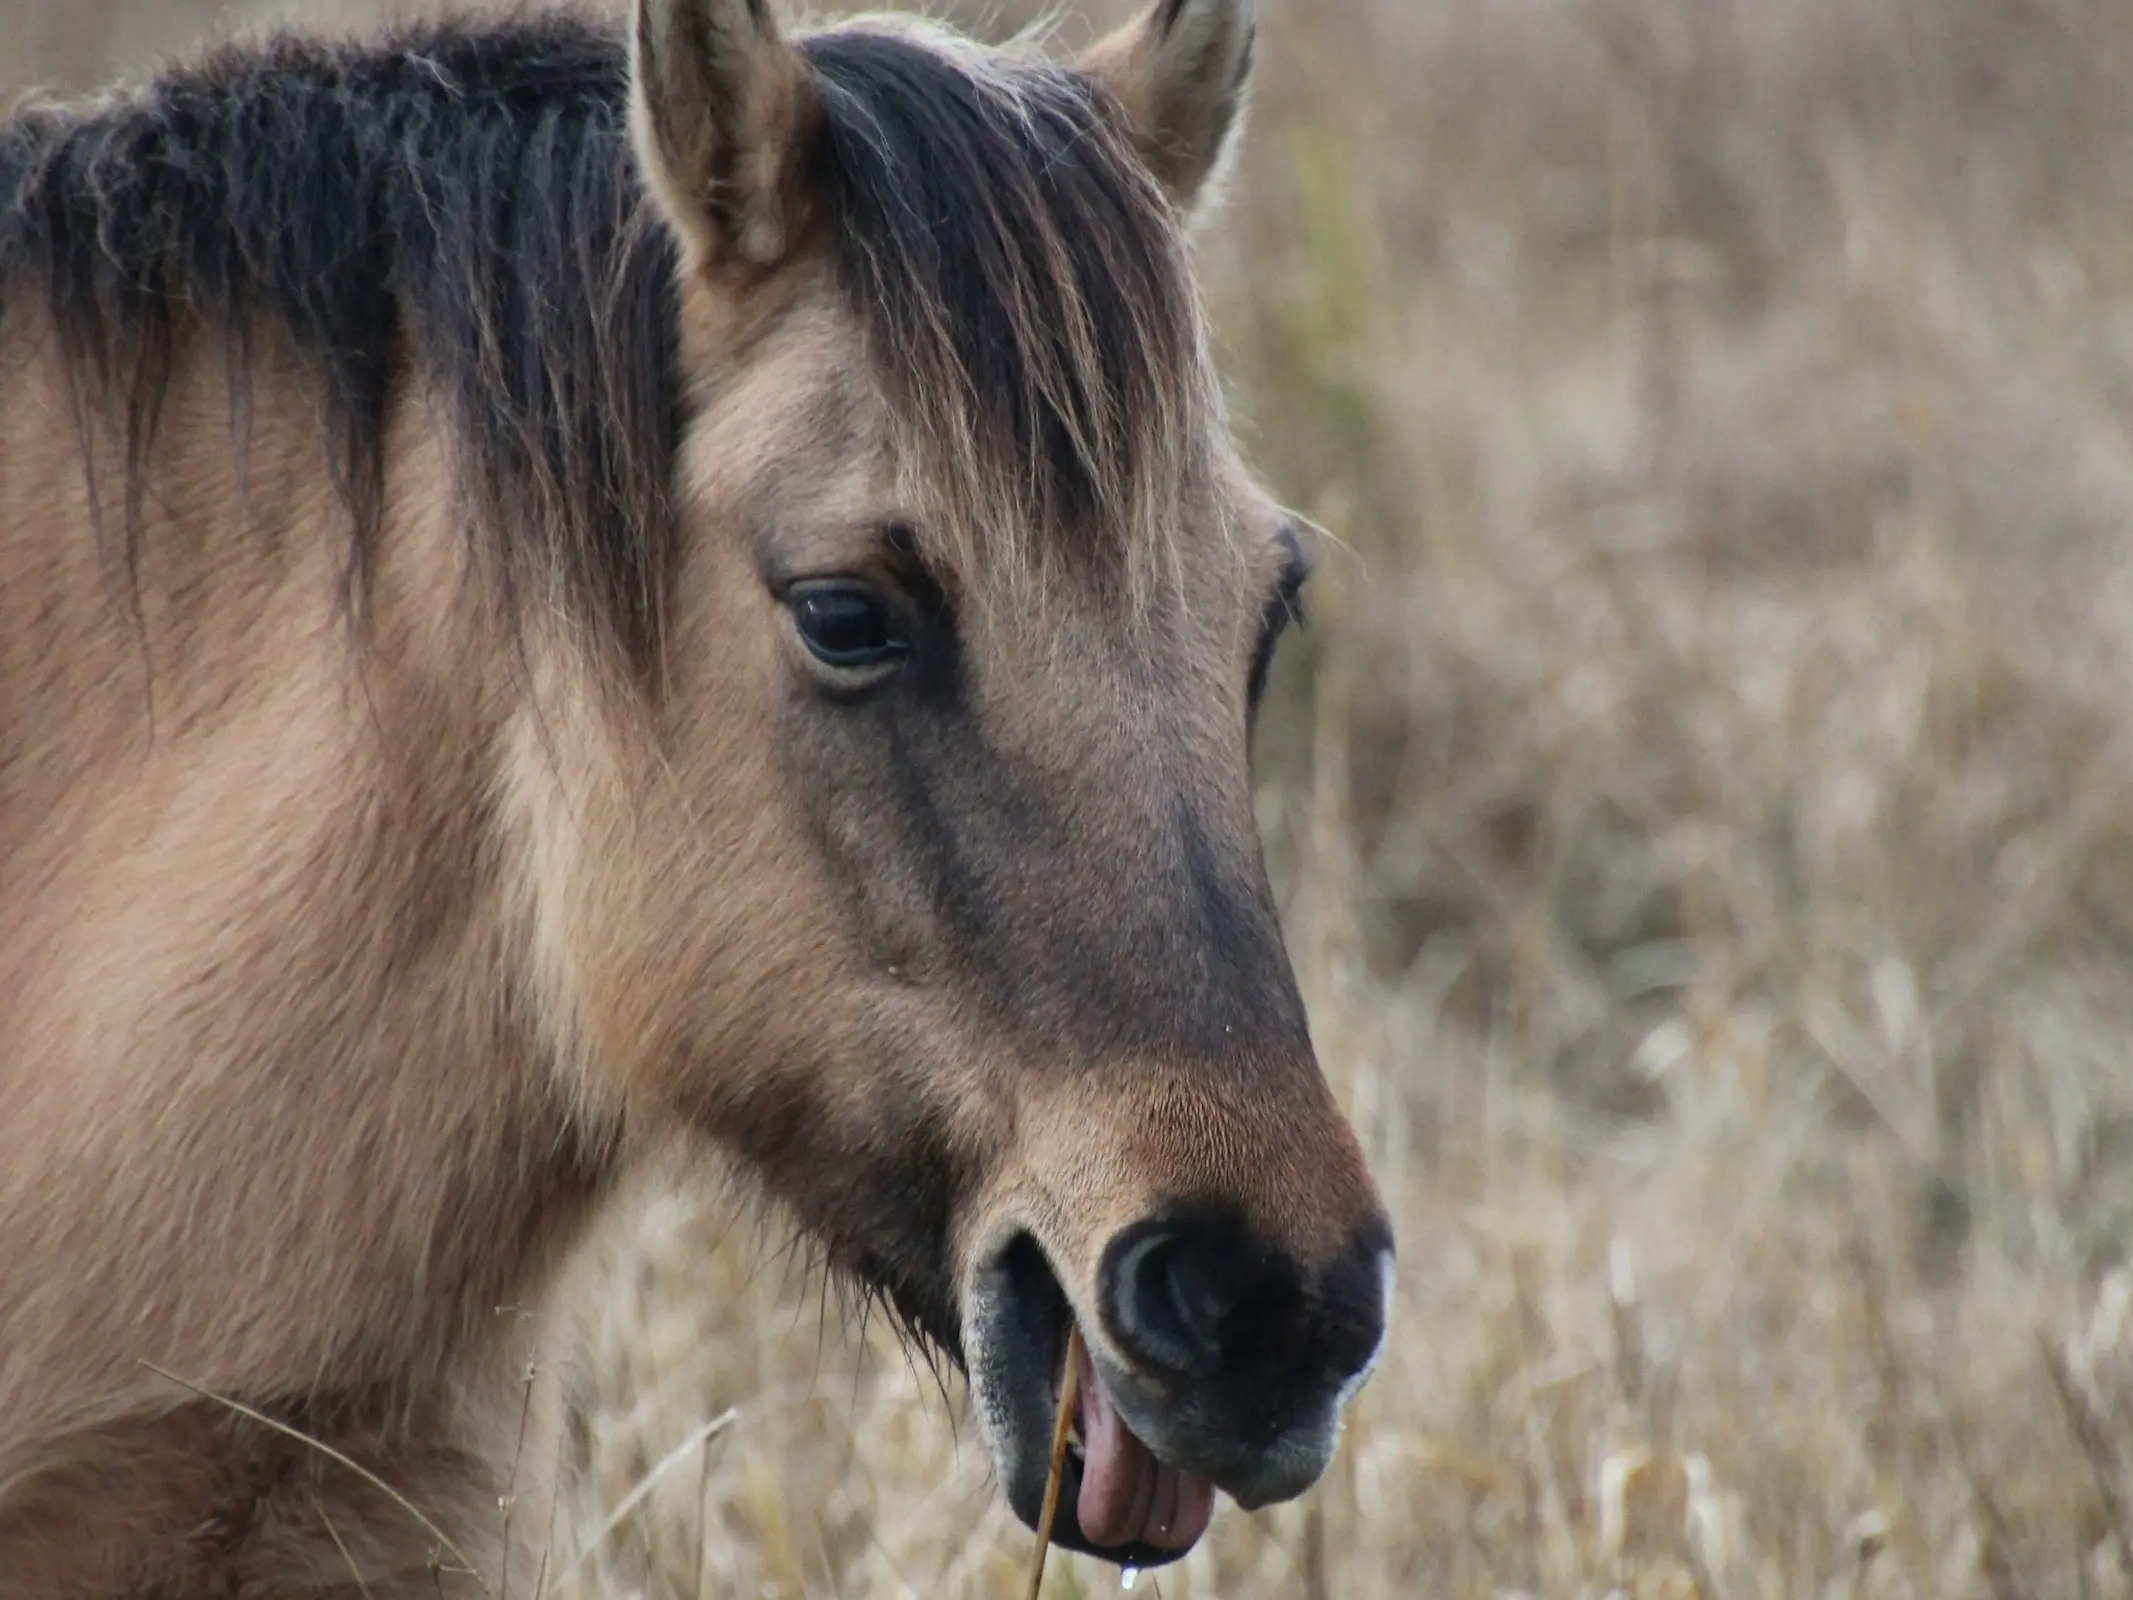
569	596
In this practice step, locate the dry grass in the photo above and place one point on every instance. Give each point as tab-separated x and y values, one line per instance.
1705	806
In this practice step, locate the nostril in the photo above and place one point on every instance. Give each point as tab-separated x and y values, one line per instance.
1196	1296
1165	1306
1192	1295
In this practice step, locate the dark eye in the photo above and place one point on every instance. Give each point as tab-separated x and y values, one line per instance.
846	625
1285	607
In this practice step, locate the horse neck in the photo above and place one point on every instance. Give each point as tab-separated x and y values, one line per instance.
257	942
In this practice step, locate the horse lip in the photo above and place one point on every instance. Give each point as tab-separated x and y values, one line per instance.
1016	1334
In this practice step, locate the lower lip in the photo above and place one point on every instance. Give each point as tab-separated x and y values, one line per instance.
1128	1497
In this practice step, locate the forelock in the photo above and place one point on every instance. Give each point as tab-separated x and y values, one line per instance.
1026	297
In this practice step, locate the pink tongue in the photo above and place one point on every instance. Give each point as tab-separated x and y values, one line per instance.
1127	1496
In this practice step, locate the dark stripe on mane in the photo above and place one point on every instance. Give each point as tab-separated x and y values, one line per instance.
458	207
457	203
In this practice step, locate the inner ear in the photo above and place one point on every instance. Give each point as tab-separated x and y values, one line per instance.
1179	72
723	110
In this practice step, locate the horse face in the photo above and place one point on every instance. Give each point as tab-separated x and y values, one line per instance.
930	887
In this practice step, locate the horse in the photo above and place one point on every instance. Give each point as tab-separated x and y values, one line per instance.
580	594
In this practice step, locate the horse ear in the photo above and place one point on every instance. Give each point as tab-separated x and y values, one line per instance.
1179	72
721	110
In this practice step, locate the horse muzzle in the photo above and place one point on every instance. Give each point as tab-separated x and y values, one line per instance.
1213	1361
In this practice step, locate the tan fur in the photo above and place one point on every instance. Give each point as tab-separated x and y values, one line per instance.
248	1144
344	978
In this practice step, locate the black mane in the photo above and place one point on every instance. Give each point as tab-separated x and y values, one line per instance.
457	207
454	202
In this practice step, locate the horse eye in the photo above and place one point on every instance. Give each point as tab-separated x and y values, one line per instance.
846	626
1285	607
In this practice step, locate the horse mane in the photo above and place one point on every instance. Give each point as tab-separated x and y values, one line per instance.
457	208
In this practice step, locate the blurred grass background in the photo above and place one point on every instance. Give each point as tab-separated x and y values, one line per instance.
1703	805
